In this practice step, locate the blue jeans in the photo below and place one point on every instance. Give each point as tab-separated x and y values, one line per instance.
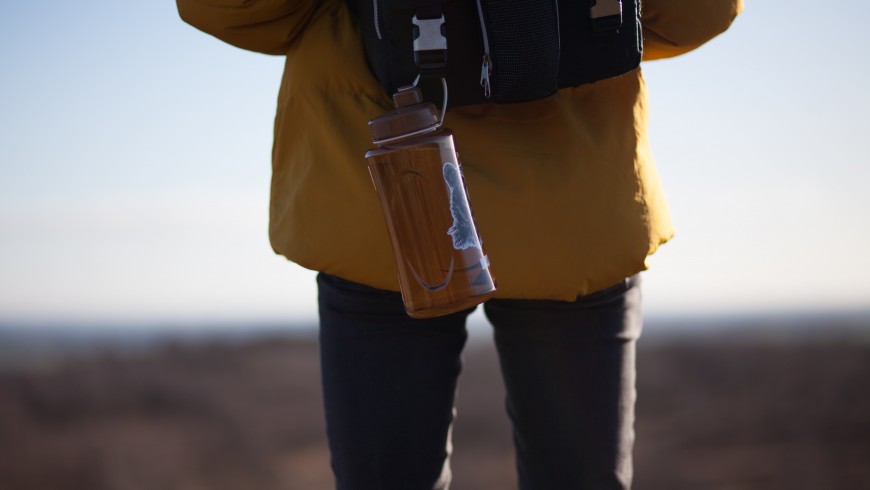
389	383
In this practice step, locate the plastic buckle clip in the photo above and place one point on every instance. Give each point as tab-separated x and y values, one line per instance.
430	45
606	15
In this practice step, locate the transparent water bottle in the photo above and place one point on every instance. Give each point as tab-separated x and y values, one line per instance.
440	259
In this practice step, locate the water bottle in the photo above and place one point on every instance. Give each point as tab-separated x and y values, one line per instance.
441	263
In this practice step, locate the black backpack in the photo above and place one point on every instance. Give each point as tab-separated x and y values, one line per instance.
499	50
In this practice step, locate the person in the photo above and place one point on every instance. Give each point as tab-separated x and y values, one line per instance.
569	203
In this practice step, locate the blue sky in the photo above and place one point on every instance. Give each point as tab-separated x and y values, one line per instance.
134	168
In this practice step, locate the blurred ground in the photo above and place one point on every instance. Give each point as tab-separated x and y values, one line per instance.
720	411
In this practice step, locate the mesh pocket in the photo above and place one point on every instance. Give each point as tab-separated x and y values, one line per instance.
523	39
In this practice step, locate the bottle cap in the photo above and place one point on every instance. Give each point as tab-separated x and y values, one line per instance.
411	115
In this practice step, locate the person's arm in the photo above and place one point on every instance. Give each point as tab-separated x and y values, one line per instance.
265	26
673	27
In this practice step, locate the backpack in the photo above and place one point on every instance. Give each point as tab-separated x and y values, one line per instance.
501	51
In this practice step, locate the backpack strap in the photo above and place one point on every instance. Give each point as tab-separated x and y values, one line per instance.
406	40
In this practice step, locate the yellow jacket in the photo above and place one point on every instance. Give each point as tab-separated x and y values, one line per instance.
565	191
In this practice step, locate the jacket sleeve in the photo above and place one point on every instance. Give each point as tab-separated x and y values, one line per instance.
674	27
265	26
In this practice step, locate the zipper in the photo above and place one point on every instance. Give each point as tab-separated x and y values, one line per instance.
377	20
486	65
485	72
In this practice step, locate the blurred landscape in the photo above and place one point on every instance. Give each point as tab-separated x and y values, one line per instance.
764	403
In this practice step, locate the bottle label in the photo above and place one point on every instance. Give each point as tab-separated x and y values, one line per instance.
463	232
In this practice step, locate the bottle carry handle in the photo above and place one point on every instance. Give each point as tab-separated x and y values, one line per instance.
443	103
428	129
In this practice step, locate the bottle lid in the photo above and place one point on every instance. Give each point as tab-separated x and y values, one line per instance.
410	116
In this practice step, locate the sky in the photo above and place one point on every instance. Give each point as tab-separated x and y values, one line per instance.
135	159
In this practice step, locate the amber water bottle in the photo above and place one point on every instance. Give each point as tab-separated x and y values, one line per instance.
439	256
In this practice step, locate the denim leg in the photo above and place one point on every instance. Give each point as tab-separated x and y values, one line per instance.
569	370
389	383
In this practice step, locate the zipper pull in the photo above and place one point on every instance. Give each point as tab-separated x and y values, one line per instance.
485	72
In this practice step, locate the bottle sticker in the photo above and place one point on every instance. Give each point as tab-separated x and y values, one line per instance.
463	233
